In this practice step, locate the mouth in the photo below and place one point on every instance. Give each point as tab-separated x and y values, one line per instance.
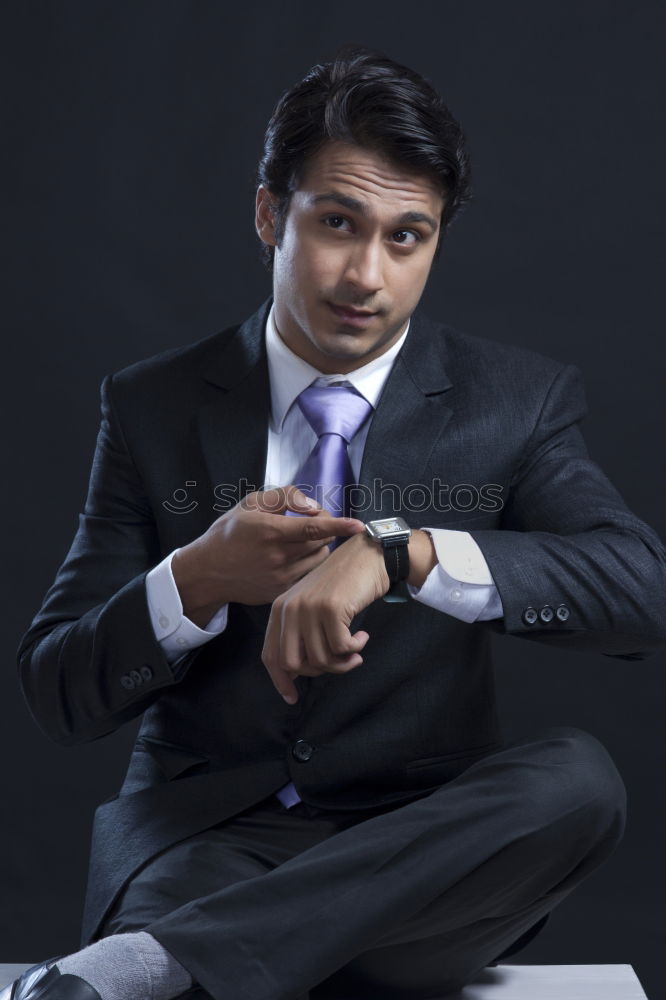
351	316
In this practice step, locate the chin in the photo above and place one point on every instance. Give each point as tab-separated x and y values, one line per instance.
346	346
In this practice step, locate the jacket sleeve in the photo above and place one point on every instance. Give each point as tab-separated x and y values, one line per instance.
90	659
572	547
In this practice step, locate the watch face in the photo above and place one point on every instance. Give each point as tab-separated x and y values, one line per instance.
389	527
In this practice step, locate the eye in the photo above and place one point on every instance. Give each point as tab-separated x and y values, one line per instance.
406	233
334	221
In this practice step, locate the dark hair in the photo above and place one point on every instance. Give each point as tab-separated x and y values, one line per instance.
363	97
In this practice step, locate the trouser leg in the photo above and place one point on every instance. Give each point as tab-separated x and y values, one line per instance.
247	845
449	942
450	879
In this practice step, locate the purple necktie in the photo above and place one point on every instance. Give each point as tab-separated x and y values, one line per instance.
335	413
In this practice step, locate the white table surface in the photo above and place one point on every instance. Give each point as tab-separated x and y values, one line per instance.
556	982
518	982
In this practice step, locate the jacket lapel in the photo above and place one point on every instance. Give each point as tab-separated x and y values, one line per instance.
409	419
233	421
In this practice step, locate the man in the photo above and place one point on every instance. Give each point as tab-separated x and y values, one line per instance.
367	834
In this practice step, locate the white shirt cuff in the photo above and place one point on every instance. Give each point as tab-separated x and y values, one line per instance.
174	631
460	584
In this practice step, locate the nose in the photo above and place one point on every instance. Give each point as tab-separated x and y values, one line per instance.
364	268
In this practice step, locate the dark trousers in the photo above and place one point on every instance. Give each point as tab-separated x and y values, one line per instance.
411	901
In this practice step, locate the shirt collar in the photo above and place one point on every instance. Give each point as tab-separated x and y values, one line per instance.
290	375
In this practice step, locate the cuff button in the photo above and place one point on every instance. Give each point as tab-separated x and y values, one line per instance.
546	614
530	616
563	612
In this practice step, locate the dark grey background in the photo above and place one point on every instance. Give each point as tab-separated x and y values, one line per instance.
132	131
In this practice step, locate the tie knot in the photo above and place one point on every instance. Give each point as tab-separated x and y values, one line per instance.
334	409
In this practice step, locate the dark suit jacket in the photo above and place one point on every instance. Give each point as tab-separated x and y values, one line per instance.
215	736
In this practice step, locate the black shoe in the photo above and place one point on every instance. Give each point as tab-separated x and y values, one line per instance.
46	982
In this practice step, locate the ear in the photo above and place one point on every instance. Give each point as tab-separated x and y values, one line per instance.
264	219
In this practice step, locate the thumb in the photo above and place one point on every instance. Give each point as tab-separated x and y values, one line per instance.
299	502
279	500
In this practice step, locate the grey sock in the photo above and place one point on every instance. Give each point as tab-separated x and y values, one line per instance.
128	967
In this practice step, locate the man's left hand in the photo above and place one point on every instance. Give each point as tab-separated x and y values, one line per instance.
308	630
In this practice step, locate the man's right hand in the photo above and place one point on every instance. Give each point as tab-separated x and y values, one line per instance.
253	553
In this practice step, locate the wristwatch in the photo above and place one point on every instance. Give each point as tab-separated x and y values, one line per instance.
392	533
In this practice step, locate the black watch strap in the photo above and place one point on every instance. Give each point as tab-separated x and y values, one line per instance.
396	560
393	534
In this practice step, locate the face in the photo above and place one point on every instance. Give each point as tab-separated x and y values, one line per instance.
358	244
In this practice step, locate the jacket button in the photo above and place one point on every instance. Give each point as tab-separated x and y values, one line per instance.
127	682
530	616
302	750
546	614
563	612
146	672
136	676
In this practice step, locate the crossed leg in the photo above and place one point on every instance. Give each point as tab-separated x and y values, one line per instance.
409	902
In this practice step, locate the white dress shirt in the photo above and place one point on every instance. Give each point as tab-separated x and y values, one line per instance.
459	585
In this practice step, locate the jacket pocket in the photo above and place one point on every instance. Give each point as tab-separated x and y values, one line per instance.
172	760
422	763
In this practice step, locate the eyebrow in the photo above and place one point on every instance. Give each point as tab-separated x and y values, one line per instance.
354	205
